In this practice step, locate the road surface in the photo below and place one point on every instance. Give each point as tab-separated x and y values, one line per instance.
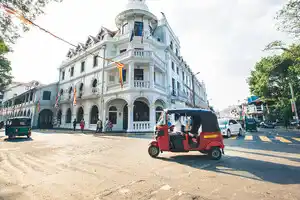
56	166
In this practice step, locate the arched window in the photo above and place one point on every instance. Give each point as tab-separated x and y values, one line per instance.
69	116
28	113
94	84
112	114
70	90
24	114
94	115
80	114
80	90
158	112
61	92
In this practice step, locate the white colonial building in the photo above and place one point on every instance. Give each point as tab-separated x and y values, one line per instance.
31	100
155	75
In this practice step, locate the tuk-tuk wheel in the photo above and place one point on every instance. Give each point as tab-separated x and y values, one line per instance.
10	137
153	151
215	153
28	136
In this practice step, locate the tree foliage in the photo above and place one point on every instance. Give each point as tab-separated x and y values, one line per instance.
271	77
5	69
10	27
288	18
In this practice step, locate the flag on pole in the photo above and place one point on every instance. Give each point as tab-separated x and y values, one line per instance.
11	11
120	67
57	100
74	97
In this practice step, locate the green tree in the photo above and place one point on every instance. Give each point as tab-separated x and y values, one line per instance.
10	29
271	77
5	69
288	18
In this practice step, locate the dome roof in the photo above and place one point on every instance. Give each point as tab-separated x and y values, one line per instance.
137	4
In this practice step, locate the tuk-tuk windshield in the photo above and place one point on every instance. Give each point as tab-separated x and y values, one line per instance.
19	122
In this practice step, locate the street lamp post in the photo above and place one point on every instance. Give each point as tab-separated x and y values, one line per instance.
193	88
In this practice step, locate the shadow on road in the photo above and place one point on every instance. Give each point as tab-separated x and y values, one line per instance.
265	154
242	167
258	145
18	139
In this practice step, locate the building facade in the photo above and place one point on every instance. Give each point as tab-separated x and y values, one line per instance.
155	75
31	100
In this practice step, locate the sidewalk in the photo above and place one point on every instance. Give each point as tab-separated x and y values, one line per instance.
69	131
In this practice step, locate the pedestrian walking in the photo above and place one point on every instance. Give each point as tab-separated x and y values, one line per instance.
74	124
82	123
99	126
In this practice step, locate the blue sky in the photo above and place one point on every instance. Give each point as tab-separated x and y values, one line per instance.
220	39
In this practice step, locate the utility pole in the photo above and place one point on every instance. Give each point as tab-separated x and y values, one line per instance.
293	102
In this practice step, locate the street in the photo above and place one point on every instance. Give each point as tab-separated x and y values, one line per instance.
263	165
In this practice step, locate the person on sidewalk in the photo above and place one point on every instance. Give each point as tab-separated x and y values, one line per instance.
74	124
82	123
99	126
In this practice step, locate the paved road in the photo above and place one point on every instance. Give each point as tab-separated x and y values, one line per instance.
84	166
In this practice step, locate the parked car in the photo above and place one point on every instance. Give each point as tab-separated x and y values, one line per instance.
267	124
230	127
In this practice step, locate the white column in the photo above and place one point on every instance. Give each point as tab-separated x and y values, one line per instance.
130	118
152	116
151	78
130	74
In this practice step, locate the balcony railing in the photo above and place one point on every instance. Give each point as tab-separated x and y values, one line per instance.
142	126
142	84
138	54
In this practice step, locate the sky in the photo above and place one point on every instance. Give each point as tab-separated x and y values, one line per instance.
220	39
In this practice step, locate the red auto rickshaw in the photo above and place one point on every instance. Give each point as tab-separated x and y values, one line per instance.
202	134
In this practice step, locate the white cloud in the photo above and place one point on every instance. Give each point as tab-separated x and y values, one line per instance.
221	39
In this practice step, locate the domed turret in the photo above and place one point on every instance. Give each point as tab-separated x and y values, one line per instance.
137	4
134	9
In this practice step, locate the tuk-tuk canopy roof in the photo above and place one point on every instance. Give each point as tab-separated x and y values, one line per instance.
190	111
203	117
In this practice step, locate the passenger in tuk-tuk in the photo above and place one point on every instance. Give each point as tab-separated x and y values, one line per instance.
176	130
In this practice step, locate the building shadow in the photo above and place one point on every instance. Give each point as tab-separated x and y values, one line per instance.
269	155
18	139
241	167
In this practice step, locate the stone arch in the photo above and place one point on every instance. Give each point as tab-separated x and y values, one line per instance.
68	116
115	112
28	113
24	113
160	102
159	105
94	114
45	119
141	109
80	114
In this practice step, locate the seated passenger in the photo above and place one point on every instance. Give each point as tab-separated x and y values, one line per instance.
177	125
